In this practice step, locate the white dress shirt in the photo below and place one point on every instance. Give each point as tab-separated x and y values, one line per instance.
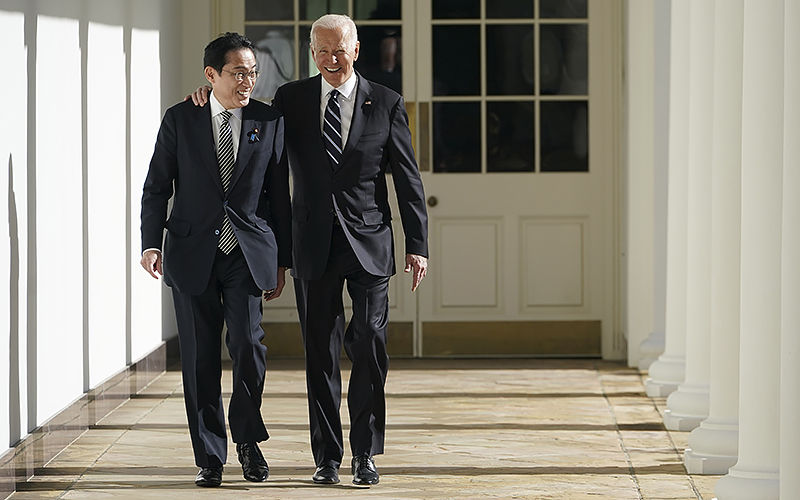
347	103
235	122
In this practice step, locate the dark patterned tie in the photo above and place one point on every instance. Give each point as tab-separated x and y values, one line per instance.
332	128
227	239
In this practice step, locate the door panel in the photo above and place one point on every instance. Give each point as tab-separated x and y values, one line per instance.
553	270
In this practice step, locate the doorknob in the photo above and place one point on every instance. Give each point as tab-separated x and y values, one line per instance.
432	201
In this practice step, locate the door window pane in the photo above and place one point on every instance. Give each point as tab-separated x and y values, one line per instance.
509	59
456	60
271	10
564	59
456	9
274	57
376	9
307	66
575	9
380	58
565	136
509	9
510	136
457	137
310	10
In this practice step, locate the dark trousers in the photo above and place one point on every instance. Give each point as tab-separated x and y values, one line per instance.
232	296
319	303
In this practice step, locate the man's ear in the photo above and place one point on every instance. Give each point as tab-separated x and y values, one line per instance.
355	52
211	75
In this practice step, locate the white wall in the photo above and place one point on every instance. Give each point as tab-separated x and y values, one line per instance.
13	235
88	83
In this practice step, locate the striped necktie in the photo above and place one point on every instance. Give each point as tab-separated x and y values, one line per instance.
332	128
227	239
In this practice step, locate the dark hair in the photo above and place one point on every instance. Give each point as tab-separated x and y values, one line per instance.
216	52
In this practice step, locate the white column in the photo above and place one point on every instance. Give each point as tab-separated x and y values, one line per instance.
790	324
688	406
713	447
653	346
668	371
756	473
639	209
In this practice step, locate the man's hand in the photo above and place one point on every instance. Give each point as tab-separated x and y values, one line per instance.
151	262
419	265
274	294
200	96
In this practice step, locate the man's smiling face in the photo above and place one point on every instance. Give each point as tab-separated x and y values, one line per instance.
332	56
230	92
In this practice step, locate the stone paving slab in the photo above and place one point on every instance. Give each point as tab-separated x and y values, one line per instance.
456	429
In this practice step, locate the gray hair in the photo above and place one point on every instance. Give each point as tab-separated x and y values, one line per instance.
337	21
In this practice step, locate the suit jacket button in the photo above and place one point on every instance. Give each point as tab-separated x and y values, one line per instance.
216	232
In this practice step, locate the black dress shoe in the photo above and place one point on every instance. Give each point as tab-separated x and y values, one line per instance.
254	467
209	477
364	471
327	474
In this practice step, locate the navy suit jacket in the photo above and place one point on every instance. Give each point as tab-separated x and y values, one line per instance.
184	167
378	141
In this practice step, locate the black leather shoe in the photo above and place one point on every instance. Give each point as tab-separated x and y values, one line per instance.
327	474
364	471
254	467
209	477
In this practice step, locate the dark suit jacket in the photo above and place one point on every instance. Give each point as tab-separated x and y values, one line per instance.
185	164
379	140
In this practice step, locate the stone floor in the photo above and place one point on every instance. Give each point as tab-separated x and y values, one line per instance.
456	429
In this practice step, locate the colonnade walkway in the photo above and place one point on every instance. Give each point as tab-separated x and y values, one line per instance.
456	429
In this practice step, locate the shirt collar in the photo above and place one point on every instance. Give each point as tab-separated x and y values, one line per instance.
346	89
217	107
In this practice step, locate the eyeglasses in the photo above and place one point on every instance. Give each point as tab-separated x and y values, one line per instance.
239	75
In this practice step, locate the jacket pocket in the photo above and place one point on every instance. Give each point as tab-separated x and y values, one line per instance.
261	225
372	218
178	227
375	136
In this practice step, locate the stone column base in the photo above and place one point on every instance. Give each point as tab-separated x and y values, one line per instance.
682	423
707	465
743	485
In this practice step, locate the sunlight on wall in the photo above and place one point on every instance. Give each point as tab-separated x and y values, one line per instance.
14	181
59	227
13	157
144	122
106	122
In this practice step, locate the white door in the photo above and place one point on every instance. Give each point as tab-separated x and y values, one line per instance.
516	106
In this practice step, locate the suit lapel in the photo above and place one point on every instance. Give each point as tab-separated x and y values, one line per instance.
361	111
311	112
206	143
245	146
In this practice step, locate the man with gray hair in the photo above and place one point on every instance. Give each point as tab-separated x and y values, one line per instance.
343	134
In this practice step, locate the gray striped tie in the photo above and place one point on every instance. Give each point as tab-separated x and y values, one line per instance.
227	239
332	128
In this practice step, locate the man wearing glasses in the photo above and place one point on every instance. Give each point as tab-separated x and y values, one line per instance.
228	239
